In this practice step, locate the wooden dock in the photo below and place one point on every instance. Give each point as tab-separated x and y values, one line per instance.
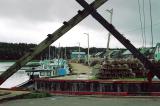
79	71
6	95
98	87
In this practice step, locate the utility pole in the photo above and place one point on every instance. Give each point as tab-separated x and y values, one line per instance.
65	53
49	53
55	56
53	52
88	49
59	54
79	52
109	34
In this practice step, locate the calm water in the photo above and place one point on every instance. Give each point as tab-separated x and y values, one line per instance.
16	79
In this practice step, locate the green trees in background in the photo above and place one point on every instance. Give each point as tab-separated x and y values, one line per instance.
13	51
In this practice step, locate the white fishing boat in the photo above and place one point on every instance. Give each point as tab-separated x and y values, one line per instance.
49	68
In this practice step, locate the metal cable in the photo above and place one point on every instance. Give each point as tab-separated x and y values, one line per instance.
144	22
138	28
139	7
150	5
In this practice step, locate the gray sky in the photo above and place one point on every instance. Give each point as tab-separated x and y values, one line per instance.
29	21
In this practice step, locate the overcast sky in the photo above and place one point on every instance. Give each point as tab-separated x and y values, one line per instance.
29	21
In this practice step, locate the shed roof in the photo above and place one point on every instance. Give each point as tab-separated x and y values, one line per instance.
82	53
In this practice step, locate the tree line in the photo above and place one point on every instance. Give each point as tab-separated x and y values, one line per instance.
13	51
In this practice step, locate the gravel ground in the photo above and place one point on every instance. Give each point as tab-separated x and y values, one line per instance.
80	68
82	72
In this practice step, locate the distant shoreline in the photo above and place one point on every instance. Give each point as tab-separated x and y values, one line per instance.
16	60
7	60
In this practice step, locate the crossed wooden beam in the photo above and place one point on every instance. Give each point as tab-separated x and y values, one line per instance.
88	9
148	65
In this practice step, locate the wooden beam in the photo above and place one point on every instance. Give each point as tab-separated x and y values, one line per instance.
152	69
49	40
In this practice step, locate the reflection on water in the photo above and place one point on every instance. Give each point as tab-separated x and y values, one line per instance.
5	65
16	79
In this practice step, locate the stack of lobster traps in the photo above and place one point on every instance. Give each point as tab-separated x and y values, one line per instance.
115	69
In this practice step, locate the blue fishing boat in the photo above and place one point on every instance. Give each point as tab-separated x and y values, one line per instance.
49	68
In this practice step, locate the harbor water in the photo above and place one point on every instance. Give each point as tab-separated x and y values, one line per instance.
16	79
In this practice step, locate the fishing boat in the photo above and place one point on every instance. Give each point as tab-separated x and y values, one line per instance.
49	68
